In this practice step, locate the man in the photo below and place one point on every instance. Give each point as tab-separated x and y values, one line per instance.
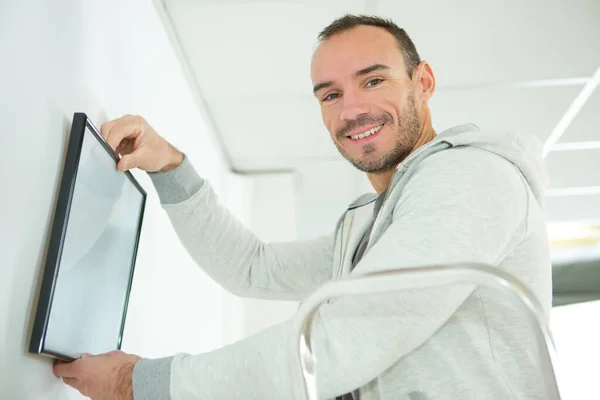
461	196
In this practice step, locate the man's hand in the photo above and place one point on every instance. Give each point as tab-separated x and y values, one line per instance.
103	377
139	145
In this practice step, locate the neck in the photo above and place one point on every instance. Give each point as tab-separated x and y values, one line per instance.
381	180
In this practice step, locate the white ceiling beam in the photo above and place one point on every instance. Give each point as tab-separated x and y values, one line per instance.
591	145
541	83
573	191
571	113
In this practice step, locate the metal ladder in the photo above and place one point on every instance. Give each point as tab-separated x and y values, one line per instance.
303	363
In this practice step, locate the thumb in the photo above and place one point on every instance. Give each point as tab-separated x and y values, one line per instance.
129	161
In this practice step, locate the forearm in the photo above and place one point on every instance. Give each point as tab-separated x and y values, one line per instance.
354	340
229	252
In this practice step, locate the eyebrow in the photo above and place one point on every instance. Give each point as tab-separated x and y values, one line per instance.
364	71
322	85
368	70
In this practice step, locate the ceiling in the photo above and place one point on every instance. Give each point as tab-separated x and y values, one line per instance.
525	66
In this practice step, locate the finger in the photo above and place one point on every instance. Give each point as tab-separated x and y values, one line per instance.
85	355
64	370
122	146
105	129
139	140
127	146
125	129
117	133
130	161
107	132
73	382
107	126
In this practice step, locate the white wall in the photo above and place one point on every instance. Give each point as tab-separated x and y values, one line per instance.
266	205
106	59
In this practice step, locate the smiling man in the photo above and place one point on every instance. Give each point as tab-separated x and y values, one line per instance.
371	111
463	196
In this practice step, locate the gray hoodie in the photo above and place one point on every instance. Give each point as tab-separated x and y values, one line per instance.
467	196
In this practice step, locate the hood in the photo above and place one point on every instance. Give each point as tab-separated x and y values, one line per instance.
523	150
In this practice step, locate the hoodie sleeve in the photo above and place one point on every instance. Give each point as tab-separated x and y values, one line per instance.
229	252
461	205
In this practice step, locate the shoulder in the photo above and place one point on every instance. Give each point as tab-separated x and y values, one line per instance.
466	178
467	165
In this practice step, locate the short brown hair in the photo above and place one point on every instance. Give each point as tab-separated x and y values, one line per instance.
349	21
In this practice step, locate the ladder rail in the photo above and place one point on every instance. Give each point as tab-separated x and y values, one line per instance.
302	359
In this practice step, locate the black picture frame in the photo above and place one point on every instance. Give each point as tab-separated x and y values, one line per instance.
59	229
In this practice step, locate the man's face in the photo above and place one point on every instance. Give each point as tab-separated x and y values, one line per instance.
367	99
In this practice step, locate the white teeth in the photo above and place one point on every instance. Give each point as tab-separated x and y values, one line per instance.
367	133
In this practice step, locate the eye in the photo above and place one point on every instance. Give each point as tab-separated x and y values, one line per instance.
331	96
374	82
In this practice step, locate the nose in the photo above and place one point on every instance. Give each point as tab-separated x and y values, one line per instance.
353	106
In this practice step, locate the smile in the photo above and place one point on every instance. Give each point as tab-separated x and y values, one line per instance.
368	133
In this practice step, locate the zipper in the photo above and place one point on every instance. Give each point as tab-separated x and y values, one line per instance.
391	185
344	243
387	194
413	155
336	273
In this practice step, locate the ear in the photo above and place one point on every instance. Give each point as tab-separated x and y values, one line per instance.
425	80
